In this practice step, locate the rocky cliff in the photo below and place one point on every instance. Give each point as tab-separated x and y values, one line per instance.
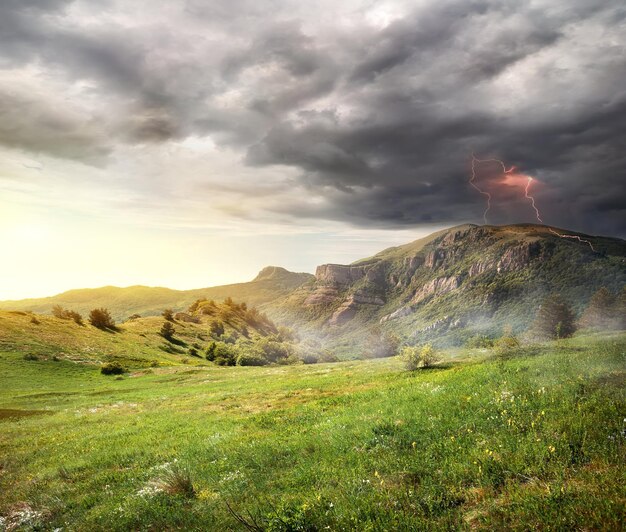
455	281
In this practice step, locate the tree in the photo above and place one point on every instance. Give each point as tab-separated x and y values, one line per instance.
168	314
600	310
167	330
554	319
101	318
415	357
217	328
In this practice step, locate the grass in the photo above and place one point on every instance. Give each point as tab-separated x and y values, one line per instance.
536	440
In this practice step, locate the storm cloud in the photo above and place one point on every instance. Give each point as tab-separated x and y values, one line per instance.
373	108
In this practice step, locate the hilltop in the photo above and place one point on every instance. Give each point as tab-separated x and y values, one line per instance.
270	283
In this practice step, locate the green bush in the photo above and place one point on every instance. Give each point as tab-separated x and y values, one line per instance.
101	318
506	346
167	330
112	368
30	356
251	359
415	357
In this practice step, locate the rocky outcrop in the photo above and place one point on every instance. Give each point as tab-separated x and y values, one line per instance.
518	257
340	274
480	267
438	286
347	310
400	313
322	295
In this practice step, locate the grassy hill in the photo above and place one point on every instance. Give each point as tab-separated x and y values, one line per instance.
534	441
270	283
139	342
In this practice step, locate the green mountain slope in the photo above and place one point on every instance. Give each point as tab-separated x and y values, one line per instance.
270	283
451	285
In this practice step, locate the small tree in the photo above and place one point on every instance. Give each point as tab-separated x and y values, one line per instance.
600	310
210	352
101	318
168	314
167	330
554	319
216	329
415	357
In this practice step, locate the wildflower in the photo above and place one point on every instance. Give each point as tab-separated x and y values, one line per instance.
551	448
414	445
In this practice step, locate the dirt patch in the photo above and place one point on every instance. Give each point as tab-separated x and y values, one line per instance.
12	414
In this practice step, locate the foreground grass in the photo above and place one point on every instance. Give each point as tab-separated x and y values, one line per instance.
535	441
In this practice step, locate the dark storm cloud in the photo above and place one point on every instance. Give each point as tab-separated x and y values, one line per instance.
378	120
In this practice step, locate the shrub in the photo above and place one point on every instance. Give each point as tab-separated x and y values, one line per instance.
479	342
251	359
35	321
210	352
216	328
225	354
112	368
506	346
168	314
101	318
133	317
64	314
167	330
30	356
415	357
193	352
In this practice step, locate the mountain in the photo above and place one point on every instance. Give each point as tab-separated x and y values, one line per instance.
271	282
451	285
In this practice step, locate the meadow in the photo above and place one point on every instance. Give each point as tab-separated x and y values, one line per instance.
532	441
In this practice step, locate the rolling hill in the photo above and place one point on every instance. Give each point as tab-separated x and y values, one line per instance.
270	283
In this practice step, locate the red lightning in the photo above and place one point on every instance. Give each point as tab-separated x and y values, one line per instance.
527	195
472	180
532	202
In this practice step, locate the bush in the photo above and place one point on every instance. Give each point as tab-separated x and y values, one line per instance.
216	328
112	368
64	314
251	359
167	330
30	356
168	314
133	317
35	321
193	352
479	342
225	354
415	357
506	346
101	318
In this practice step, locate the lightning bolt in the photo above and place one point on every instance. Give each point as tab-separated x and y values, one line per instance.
538	215
532	199
472	180
527	195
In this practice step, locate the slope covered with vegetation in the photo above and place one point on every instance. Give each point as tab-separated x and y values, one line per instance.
533	440
270	283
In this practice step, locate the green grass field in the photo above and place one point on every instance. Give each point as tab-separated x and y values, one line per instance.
536	441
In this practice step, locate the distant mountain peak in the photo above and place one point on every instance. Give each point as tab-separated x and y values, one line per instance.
272	272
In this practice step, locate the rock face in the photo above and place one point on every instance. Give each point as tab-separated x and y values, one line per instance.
400	313
347	310
322	295
518	257
438	286
340	274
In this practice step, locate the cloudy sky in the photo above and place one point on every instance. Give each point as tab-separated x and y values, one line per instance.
189	143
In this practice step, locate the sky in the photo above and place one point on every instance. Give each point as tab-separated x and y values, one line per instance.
189	143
